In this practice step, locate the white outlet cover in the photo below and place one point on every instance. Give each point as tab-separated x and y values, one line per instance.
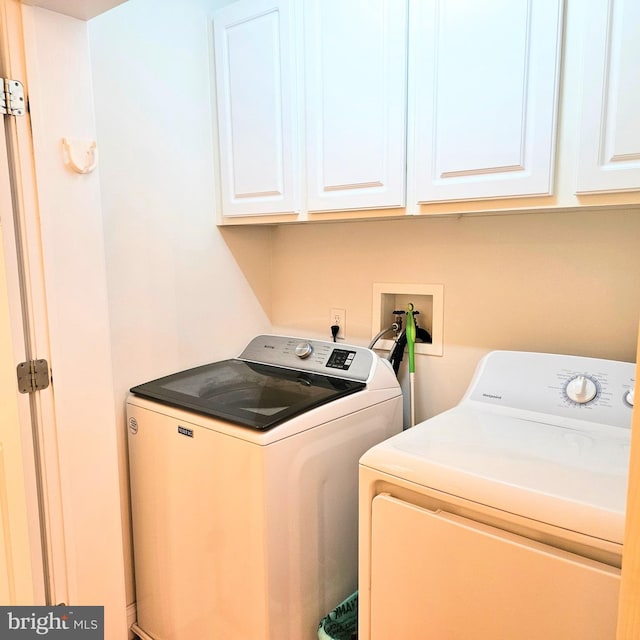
342	321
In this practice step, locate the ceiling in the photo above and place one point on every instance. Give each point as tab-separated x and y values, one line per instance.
82	9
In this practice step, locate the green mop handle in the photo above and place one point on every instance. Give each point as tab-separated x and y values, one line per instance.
411	342
411	338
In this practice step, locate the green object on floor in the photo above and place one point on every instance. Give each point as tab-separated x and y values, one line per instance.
342	622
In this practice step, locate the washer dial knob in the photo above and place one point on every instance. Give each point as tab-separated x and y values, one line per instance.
303	350
581	389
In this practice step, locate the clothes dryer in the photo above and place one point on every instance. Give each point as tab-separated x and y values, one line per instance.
503	517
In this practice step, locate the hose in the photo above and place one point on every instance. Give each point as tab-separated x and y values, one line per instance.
378	336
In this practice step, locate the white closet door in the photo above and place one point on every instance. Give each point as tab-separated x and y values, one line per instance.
355	103
609	147
18	501
436	575
255	80
483	95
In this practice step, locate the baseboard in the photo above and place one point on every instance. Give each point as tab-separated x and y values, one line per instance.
132	616
140	633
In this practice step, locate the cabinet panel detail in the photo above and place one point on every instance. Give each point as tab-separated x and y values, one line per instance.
256	104
483	95
355	78
609	148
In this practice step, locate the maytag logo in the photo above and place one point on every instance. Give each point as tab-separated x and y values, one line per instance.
133	426
185	432
28	623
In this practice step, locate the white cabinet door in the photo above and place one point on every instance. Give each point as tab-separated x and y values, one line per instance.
255	82
609	147
355	75
483	94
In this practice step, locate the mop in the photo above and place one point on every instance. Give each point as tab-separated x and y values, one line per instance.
411	342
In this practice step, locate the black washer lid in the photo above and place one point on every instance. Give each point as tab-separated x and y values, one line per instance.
255	395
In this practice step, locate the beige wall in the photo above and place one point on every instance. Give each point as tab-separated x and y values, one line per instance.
556	282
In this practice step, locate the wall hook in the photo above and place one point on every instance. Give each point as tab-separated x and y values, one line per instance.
80	155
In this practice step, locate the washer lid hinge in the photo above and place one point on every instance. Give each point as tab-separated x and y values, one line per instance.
12	101
33	375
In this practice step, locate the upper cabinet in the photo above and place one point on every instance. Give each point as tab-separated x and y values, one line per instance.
355	103
484	82
256	87
352	59
344	109
609	150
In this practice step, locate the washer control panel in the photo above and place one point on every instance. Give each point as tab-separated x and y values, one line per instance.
313	356
590	389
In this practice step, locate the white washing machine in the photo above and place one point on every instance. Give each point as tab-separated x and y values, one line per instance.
503	517
244	488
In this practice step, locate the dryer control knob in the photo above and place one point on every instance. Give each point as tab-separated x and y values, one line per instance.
629	396
303	350
581	389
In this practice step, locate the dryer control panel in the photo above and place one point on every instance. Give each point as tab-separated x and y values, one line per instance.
564	386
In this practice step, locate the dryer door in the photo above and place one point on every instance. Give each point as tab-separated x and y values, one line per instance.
437	575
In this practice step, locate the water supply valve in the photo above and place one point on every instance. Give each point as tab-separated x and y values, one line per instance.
397	322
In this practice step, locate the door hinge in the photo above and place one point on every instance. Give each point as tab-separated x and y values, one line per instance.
33	376
12	101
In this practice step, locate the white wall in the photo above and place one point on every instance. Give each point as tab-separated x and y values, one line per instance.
59	81
177	297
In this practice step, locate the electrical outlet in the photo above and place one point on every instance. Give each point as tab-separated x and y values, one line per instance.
338	316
